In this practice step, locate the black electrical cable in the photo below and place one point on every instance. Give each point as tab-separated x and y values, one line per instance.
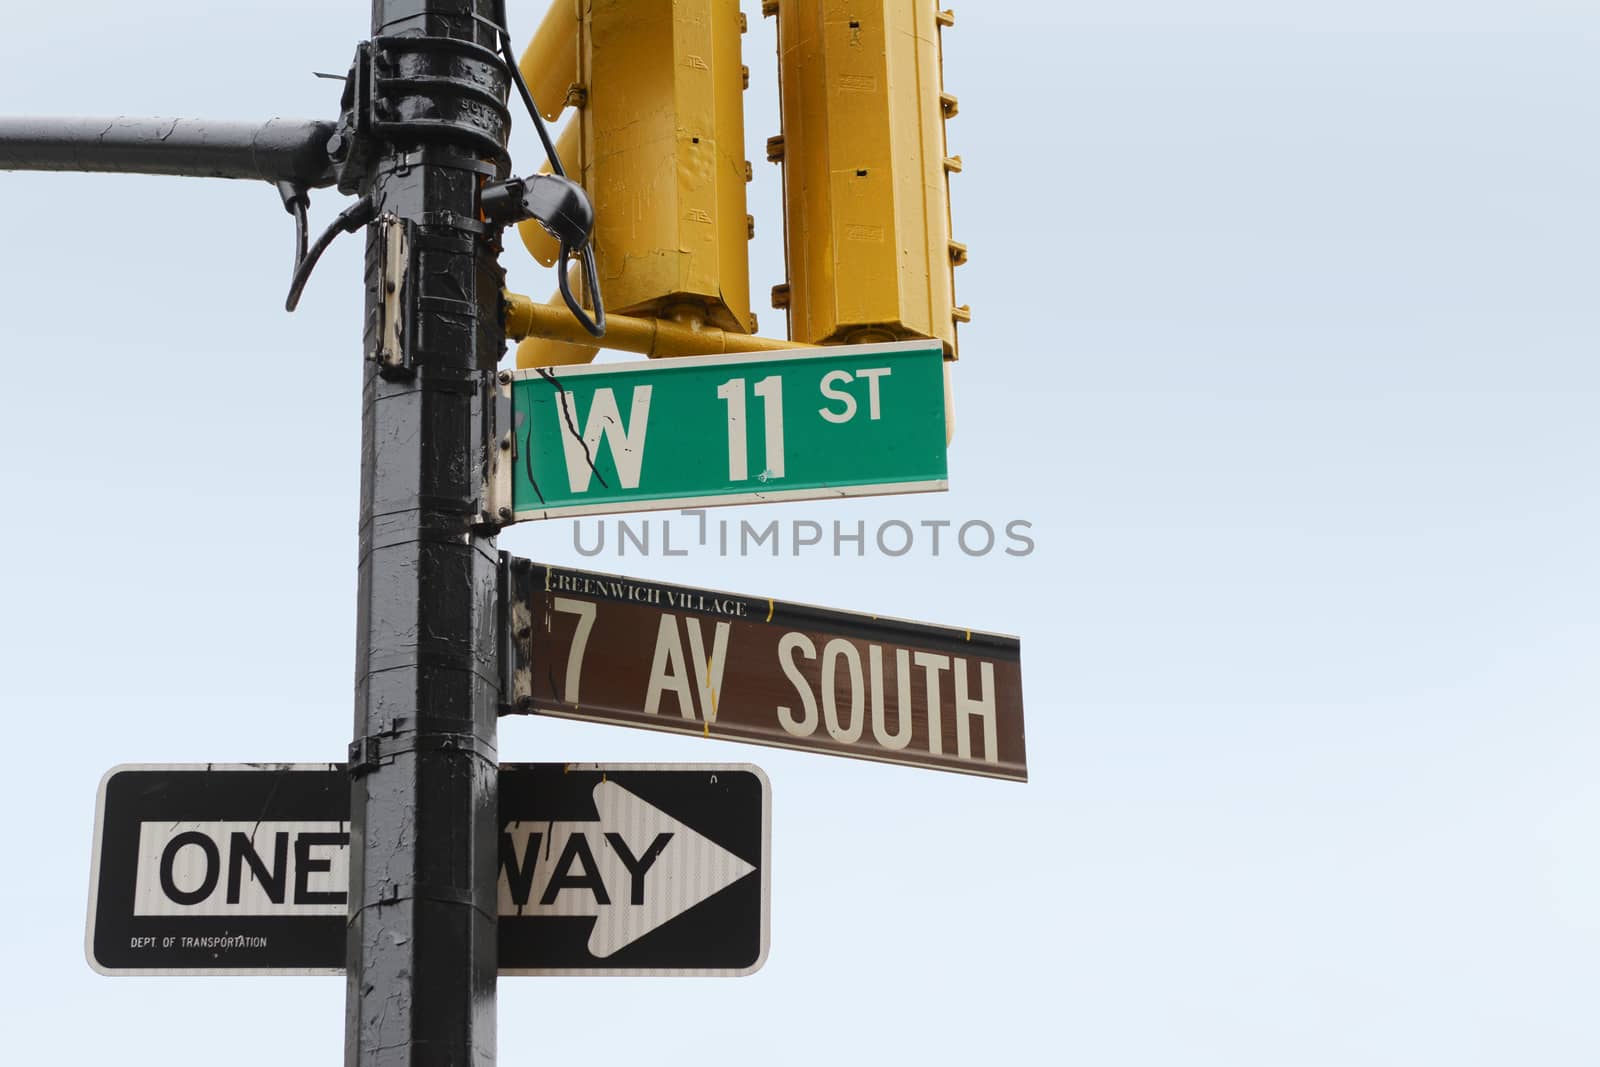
301	231
510	56
596	326
350	220
590	279
296	201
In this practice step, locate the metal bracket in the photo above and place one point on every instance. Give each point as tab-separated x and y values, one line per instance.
502	448
517	579
426	89
440	156
394	320
365	755
419	89
352	146
369	753
453	221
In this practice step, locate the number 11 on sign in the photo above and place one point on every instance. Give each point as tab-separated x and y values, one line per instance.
770	390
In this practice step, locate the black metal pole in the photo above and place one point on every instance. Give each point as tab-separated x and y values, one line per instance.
421	954
290	150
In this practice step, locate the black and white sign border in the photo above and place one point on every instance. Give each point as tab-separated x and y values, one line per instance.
764	874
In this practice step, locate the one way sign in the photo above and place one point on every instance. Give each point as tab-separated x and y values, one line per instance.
604	869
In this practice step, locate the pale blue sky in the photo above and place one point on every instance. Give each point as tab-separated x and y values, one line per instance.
1285	339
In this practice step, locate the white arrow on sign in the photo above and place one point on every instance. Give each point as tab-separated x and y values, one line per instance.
634	869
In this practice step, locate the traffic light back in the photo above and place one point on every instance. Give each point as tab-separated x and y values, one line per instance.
865	172
658	143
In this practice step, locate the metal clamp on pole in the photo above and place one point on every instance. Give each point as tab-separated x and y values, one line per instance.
517	585
369	753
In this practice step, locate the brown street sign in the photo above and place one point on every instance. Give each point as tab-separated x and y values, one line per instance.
603	648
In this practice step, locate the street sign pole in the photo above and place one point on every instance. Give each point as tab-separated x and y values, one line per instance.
420	953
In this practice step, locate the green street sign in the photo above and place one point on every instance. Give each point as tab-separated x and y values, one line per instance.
736	429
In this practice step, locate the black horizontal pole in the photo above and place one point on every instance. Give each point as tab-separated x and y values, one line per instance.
289	150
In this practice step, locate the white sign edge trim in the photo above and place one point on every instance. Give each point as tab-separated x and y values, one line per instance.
976	766
782	496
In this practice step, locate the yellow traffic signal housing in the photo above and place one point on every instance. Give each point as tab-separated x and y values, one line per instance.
865	171
658	143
